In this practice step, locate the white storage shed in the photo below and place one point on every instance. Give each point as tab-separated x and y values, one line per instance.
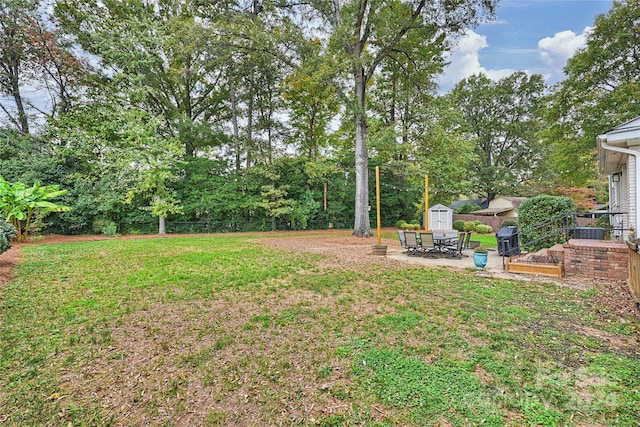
440	218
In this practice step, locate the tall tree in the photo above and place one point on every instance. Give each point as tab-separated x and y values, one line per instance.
601	90
160	54
420	138
54	68
312	95
262	46
503	118
124	150
367	33
443	151
14	17
36	56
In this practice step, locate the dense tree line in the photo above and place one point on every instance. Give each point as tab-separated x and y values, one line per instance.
259	115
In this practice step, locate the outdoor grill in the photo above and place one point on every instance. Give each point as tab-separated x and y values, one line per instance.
508	241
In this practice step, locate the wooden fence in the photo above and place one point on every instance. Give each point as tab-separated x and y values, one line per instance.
496	221
634	271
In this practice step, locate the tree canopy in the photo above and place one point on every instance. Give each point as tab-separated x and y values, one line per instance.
503	118
245	114
601	91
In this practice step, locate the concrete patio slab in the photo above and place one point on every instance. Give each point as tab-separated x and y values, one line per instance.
494	261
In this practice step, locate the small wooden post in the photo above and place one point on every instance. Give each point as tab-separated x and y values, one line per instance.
325	196
426	203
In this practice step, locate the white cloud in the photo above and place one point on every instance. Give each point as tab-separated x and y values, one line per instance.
464	62
495	22
555	51
552	53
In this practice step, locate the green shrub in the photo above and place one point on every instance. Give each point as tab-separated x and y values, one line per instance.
509	223
98	224
603	221
534	211
403	225
469	226
7	234
400	222
415	222
458	224
484	229
467	208
476	222
110	229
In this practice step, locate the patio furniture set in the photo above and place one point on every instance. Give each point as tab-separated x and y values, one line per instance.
437	243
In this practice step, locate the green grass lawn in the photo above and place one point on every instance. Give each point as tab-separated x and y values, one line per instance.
223	331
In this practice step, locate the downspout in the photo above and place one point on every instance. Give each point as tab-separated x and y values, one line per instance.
633	186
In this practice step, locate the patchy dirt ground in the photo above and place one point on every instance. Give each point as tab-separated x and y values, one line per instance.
346	252
169	347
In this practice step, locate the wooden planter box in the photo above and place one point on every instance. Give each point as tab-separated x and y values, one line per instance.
551	270
379	250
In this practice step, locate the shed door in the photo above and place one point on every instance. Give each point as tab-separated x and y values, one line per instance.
440	219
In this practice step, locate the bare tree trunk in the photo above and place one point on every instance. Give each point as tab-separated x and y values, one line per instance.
362	226
234	121
311	146
23	119
161	225
249	147
12	45
12	70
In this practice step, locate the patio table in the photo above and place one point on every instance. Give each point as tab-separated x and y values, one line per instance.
444	238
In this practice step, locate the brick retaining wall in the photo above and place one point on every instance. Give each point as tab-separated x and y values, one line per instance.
557	252
597	259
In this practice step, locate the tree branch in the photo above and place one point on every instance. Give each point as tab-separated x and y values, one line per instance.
383	53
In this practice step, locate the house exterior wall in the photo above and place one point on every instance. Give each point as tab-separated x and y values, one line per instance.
624	191
617	153
615	191
511	203
629	197
619	202
500	202
623	198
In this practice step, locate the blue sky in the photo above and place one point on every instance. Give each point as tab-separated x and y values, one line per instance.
536	36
